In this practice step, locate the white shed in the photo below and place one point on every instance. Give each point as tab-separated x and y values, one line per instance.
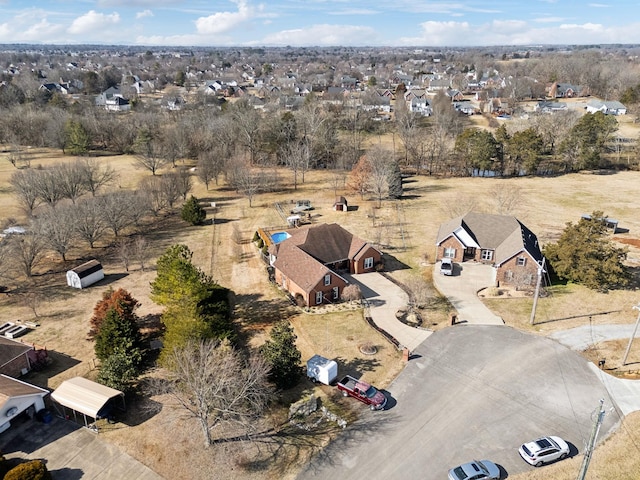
16	397
86	274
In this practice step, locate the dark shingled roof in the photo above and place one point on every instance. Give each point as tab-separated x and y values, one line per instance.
87	268
10	387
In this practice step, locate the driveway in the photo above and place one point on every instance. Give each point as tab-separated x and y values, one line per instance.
71	452
385	298
462	288
476	391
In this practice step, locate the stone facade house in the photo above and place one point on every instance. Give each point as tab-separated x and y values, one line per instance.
498	240
310	262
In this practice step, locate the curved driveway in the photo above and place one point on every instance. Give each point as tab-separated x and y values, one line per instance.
474	391
461	289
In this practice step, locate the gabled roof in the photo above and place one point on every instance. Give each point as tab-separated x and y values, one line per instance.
502	233
11	349
327	243
11	388
84	396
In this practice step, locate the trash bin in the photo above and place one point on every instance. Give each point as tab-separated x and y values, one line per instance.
44	415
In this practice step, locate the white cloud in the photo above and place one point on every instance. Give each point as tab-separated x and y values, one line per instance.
324	35
599	5
92	22
354	11
143	14
221	22
548	19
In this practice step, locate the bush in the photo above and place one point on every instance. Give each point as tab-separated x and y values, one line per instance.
192	212
33	470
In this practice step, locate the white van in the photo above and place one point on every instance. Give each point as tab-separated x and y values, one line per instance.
446	266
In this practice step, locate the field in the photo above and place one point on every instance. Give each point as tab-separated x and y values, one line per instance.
406	231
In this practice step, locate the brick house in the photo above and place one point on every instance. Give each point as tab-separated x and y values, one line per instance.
14	357
309	263
498	240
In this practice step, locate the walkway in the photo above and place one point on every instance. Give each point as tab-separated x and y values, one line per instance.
385	298
461	289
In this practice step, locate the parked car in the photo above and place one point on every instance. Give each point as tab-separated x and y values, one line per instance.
446	266
475	470
544	450
367	394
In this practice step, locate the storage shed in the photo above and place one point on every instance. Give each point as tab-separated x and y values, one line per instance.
340	205
80	396
86	274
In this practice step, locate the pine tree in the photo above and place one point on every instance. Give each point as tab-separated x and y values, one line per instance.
192	212
118	371
119	299
78	139
283	356
118	334
394	180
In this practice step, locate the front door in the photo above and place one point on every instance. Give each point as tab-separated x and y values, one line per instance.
469	253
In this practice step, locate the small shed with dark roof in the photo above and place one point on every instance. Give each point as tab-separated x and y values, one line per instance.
86	274
340	205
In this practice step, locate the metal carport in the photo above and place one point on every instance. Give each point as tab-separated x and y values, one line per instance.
82	396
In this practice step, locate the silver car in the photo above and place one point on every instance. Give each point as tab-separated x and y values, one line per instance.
446	267
544	450
475	470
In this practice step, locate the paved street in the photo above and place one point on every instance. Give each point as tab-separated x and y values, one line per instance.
475	391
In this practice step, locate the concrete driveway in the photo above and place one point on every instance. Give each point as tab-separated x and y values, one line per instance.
462	288
476	391
385	298
71	452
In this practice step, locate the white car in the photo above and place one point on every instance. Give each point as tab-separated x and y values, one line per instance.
544	450
446	267
476	470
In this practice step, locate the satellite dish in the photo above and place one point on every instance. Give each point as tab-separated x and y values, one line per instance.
12	411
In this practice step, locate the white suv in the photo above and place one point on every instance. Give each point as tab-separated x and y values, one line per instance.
544	450
446	266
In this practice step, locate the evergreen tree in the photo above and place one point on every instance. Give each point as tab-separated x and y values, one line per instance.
78	140
192	212
583	254
394	179
118	371
121	300
119	334
32	470
283	356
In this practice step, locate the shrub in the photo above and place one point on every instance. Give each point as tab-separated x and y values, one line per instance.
33	470
192	212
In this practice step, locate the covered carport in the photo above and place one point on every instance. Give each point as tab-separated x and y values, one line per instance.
87	401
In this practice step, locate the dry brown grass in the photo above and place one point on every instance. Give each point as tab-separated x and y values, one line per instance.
406	230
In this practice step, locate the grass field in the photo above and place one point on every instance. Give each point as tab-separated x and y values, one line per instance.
405	230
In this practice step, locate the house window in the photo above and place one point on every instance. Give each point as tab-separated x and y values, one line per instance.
318	298
336	293
487	254
521	262
327	279
368	262
449	252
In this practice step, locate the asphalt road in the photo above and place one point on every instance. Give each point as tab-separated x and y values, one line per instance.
478	392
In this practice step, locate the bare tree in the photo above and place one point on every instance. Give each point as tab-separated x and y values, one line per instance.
95	175
70	180
247	122
185	183
506	199
210	166
48	187
241	176
295	155
89	222
24	183
57	228
27	251
338	181
149	151
152	189
215	385
351	292
380	161
171	188
115	208
124	252
141	250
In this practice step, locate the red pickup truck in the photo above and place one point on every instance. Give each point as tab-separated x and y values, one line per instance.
367	394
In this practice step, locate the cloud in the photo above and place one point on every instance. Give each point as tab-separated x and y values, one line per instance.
143	14
92	22
599	5
324	35
354	11
222	22
548	19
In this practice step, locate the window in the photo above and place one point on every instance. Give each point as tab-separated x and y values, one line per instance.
449	252
368	262
318	298
487	254
327	279
336	293
521	262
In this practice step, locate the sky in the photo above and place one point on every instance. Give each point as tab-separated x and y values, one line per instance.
220	23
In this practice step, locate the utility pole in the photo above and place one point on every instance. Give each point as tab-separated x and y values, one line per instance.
592	442
537	292
635	329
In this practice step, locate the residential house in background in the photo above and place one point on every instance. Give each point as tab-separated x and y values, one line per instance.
612	107
498	240
310	262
